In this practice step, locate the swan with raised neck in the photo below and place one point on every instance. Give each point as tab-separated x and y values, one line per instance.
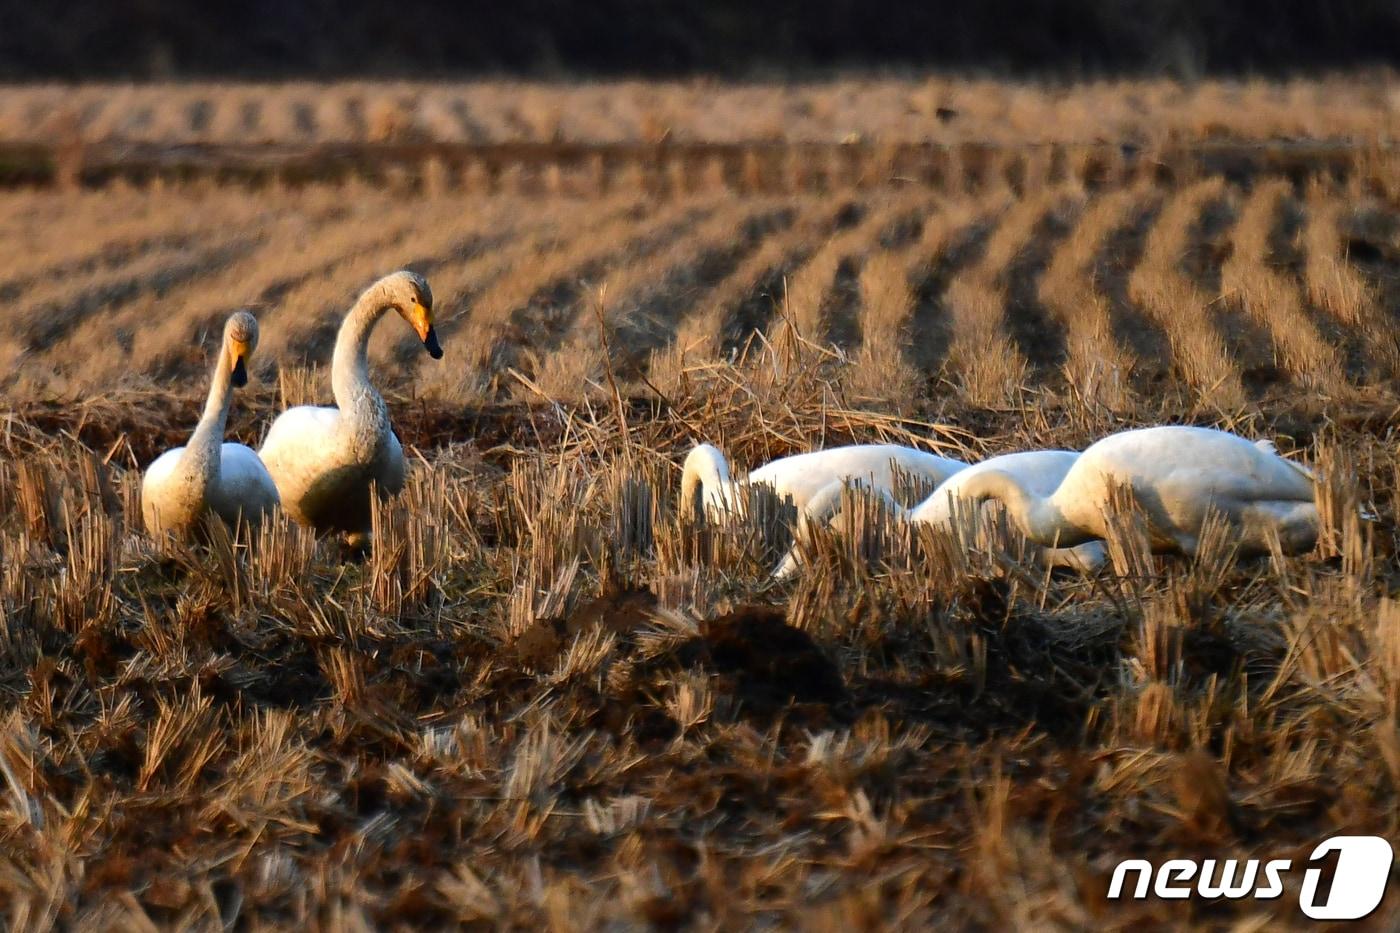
325	460
207	475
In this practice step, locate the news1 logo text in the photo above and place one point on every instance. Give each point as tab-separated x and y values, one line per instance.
1358	880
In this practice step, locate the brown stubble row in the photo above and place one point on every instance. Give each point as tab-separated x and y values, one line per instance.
514	275
937	108
887	370
735	309
809	290
982	359
1097	366
77	293
526	315
471	289
637	306
1248	278
1161	289
1334	285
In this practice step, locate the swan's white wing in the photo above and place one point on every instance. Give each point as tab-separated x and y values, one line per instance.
293	425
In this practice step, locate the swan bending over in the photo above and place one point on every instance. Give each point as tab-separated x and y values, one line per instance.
207	475
1179	476
326	459
706	476
1039	471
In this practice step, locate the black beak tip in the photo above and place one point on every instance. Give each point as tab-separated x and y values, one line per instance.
430	343
240	374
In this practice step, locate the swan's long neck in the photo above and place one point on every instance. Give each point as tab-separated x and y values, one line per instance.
1038	517
705	476
355	396
201	458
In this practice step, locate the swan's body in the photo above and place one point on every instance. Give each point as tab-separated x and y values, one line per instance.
706	477
1040	471
325	460
1178	476
206	475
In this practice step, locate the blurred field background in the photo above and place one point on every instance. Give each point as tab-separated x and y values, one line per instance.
548	701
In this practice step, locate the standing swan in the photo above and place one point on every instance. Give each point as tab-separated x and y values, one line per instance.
801	476
207	475
326	459
1178	476
1039	471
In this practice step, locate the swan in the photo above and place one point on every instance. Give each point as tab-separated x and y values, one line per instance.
325	459
705	478
207	475
1039	471
1179	476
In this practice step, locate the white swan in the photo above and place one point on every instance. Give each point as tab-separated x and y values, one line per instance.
1179	476
1039	471
207	475
326	459
706	479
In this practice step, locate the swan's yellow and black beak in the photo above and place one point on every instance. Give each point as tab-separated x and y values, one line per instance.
422	320
430	343
241	352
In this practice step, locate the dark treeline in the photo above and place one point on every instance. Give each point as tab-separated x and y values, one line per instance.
547	38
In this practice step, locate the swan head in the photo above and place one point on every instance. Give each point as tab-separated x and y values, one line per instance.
705	485
408	294
240	340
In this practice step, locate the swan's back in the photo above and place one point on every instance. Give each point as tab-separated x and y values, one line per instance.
1180	476
802	476
1205	459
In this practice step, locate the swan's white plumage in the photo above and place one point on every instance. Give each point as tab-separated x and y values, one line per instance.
1040	471
325	460
184	484
802	476
1179	476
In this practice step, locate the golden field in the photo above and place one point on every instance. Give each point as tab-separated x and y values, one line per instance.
545	700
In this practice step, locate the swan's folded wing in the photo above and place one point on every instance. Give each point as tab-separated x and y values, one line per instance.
245	479
294	425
